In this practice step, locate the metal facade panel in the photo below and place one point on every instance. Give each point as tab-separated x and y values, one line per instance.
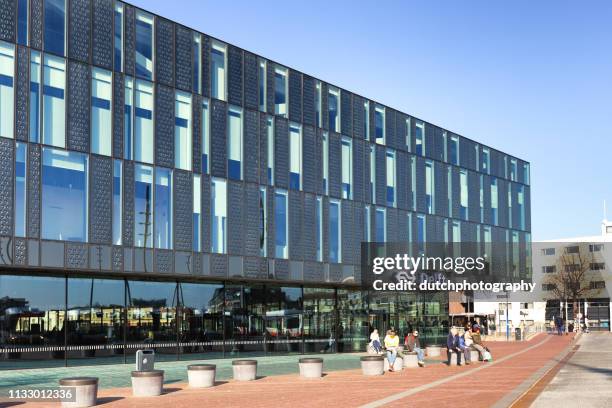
251	84
295	96
183	210
281	153
218	145
7	185
118	113
251	146
164	51
183	55
164	126
8	16
79	106
234	76
79	29
128	203
100	200
102	42
22	85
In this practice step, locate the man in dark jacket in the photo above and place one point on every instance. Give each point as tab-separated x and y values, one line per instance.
452	346
412	344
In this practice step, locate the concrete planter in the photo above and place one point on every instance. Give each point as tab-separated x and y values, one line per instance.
85	391
244	370
372	365
201	375
147	383
397	366
311	367
433	350
411	359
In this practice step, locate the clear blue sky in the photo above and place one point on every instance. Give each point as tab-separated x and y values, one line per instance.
531	78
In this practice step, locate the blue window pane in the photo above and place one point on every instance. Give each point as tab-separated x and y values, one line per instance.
22	22
390	196
143	199
163	209
64	195
143	113
144	47
20	189
55	22
379	125
233	169
34	112
279	89
346	190
196	233
334	233
380	226
204	163
294	181
333	112
100	103
269	175
117	203
280	219
127	129
118	39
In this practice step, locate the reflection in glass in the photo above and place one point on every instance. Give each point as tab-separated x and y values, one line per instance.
319	320
244	319
352	332
163	208
143	200
201	323
284	319
55	26
20	188
144	45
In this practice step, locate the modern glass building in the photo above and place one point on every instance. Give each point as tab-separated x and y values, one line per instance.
162	188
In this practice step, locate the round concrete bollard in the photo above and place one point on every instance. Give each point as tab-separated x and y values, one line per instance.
201	375
85	391
433	350
244	370
372	365
474	356
311	367
147	383
411	359
397	366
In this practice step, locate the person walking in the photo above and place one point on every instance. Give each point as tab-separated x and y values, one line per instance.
391	345
452	346
412	344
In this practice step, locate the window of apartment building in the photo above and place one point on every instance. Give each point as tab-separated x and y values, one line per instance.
128	119
117	201
144	45
54	101
143	206
318	103
494	202
476	156
234	143
419	138
64	195
347	168
391	178
463	194
379	123
595	247
572	268
22	22
218	74
55	26
333	107
281	223
597	285
429	187
295	156
526	173
205	136
413	181
118	37
549	269
143	122
505	166
513	170
325	162
373	174
454	150
262	81
335	234
366	120
548	251
572	249
521	206
421	231
367	224
408	140
197	213
270	135
456	238
488	243
196	63
280	91
21	150
449	192
319	228
263	223
7	89
163	208
597	266
481	183
182	131
486	160
381	225
101	102
35	96
218	204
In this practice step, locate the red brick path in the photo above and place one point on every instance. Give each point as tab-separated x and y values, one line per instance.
350	389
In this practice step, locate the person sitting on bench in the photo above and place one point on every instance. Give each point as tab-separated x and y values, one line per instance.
452	346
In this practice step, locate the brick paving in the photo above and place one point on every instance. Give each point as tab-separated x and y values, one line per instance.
477	385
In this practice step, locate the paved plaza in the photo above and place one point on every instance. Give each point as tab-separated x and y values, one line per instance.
545	371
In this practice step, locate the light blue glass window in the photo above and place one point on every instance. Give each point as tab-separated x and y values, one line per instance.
205	136
101	117
118	37
318	100
217	70
163	208
64	195
381	225
486	160
454	150
513	170
334	232
521	205
197	58
281	224
128	119
366	120
319	228
429	187
35	97
263	223
234	143
270	135
117	201
295	157
333	105
419	139
22	22
421	231
143	122
182	131
143	206
325	147
391	179
54	102
262	85
494	202
21	150
144	45
526	173
197	212
7	89
463	186
218	206
372	174
379	123
55	26
367	224
347	168
280	91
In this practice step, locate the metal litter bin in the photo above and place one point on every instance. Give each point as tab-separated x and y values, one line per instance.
517	334
145	360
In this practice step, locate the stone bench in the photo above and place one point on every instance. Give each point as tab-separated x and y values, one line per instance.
85	391
244	370
434	350
474	355
311	367
147	383
411	359
201	375
372	365
397	366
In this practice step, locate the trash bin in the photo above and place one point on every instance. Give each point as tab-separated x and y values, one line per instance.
145	360
517	334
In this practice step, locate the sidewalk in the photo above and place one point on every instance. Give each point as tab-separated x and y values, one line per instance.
477	385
